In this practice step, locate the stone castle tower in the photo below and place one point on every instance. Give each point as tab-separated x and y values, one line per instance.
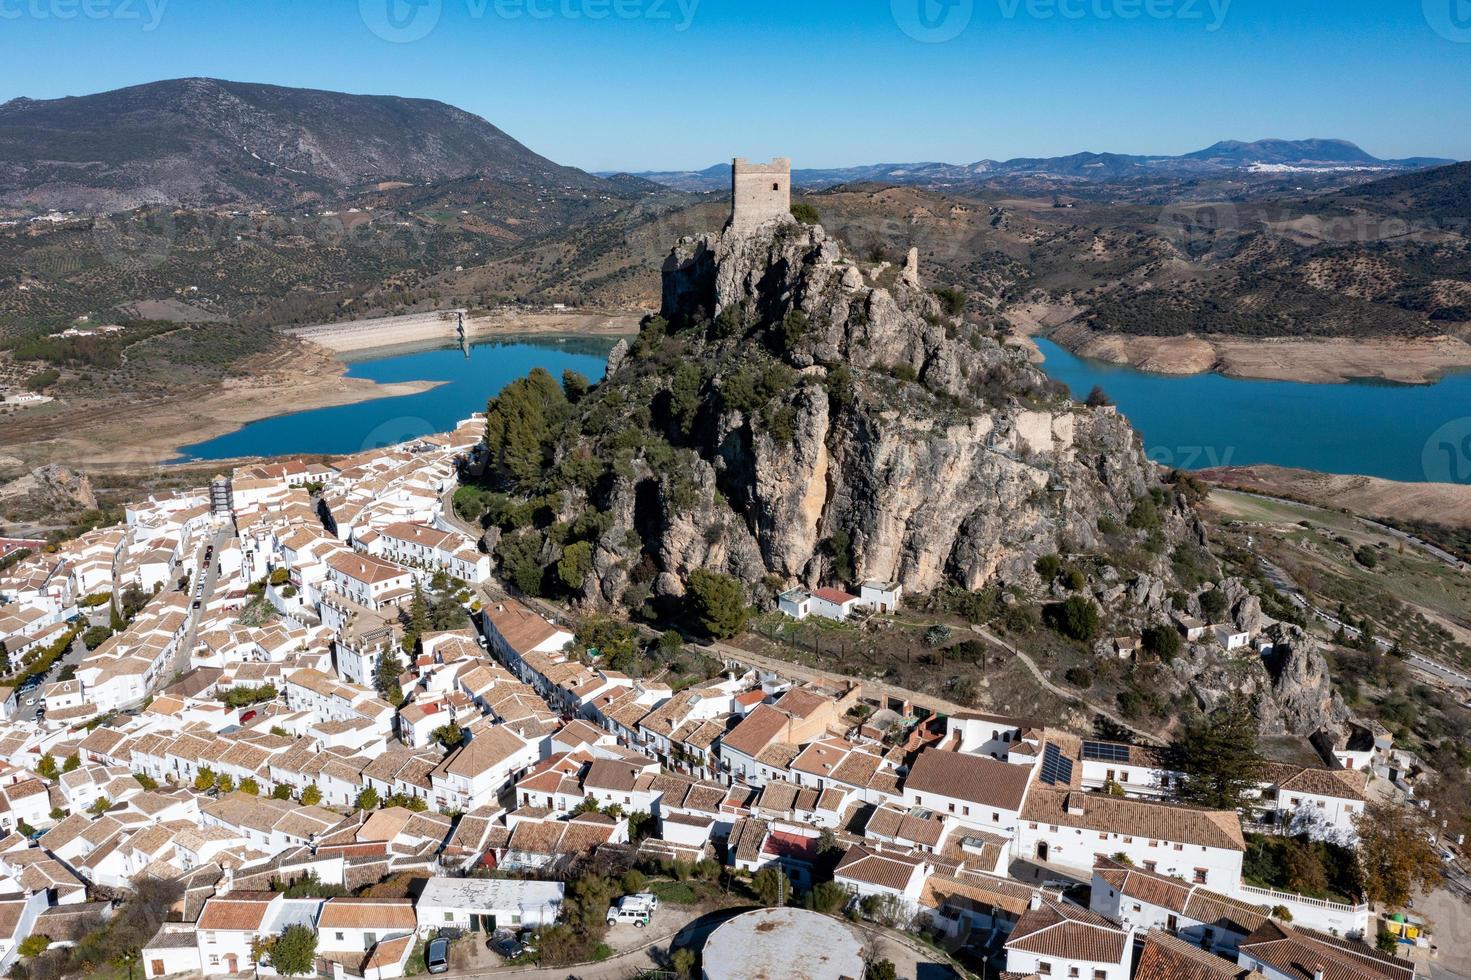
761	193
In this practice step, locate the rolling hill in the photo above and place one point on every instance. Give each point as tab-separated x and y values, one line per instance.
200	142
1296	155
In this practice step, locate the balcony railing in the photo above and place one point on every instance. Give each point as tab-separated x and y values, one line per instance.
1322	903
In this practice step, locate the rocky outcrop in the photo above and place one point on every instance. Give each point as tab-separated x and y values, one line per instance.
938	454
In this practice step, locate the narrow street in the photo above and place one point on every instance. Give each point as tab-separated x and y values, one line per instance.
201	591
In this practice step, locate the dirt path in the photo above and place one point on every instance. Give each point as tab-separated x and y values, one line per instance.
1041	678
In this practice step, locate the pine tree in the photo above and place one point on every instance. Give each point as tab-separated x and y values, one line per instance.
718	603
385	677
1217	757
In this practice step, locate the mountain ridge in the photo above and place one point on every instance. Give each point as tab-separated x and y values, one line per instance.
1308	154
200	142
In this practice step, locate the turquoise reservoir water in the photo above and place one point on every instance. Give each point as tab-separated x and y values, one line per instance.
469	381
1415	433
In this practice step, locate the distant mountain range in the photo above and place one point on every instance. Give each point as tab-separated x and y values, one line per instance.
205	142
1286	156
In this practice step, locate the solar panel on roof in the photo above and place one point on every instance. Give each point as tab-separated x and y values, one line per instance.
1057	769
1105	752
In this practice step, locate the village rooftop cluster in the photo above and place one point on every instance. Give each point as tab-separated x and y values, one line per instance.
230	736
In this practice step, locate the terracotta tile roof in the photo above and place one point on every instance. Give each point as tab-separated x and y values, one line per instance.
1136	818
801	703
522	629
1300	953
241	912
1167	958
1341	784
968	889
893	870
1068	931
963	776
368	913
764	725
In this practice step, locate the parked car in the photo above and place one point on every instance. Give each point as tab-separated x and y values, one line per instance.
507	947
436	956
644	900
640	917
30	702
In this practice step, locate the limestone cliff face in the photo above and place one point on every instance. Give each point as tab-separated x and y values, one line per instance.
946	457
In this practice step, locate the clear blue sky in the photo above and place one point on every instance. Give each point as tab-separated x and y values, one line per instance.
655	84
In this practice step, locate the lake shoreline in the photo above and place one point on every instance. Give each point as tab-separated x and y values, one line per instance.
300	378
368	338
441	384
1328	361
1404	433
1418	361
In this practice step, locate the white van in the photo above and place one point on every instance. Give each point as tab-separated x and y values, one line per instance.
643	900
638	916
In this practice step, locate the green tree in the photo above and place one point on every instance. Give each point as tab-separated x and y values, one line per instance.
368	799
418	619
385	676
225	783
34	945
46	768
450	735
281	792
95	636
520	424
805	213
100	806
1217	758
771	886
1163	641
311	796
575	563
840	547
684	395
72	763
1213	605
295	952
250	785
520	560
575	386
683	961
718	604
634	881
827	897
1396	856
1076	618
